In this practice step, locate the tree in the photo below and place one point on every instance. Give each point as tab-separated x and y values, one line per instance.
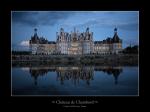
131	50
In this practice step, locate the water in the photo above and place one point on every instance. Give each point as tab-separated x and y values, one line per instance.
75	80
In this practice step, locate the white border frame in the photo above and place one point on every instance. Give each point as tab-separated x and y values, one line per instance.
75	95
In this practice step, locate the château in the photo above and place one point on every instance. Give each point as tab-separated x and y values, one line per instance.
75	43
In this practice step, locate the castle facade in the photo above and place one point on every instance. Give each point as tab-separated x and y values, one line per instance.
75	43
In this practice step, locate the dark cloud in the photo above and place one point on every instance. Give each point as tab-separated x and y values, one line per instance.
26	18
39	18
129	26
51	18
124	25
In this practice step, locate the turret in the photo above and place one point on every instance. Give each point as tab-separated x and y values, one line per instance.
116	38
35	33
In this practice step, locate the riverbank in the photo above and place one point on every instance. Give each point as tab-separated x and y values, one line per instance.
121	59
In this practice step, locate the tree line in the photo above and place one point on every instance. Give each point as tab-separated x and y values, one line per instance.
21	52
131	50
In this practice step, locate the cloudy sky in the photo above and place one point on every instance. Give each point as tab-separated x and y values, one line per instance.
101	23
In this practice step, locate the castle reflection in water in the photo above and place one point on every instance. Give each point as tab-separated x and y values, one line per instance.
75	74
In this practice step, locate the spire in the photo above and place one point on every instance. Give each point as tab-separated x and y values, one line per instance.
87	29
116	37
74	29
61	30
35	30
115	30
35	33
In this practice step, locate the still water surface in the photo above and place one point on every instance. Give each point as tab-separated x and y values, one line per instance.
75	80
